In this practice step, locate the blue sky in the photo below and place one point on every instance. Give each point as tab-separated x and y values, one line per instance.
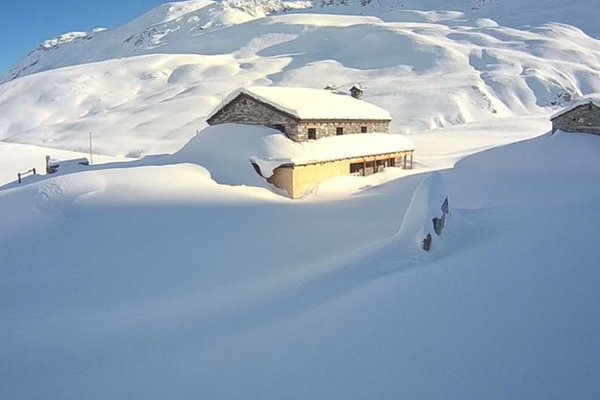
25	24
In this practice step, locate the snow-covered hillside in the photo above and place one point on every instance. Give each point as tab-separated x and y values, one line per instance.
429	68
186	275
152	281
161	29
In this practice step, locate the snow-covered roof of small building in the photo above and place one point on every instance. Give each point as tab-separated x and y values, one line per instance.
305	103
588	99
279	150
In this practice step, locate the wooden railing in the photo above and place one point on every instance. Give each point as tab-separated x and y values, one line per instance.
22	175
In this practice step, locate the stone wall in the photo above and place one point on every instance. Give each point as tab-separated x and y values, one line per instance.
329	128
585	118
246	110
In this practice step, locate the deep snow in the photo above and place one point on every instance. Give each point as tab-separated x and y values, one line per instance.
186	275
154	281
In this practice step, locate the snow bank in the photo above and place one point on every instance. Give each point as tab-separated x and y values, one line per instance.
114	277
428	203
227	150
522	172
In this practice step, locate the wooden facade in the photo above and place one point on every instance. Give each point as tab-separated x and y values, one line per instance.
298	179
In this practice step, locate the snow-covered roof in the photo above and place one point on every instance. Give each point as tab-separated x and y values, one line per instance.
305	103
278	150
589	99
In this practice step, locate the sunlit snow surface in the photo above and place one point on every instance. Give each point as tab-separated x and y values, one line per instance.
430	69
186	275
158	275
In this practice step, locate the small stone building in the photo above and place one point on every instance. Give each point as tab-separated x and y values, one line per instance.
581	116
301	114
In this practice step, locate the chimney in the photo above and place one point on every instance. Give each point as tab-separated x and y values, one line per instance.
357	91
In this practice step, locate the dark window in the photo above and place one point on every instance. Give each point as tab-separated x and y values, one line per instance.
356	168
280	128
312	133
339	131
363	129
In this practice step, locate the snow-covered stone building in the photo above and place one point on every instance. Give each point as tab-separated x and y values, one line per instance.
581	116
302	114
324	134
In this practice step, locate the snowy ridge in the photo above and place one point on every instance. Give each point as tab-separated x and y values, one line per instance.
62	39
147	34
158	30
430	69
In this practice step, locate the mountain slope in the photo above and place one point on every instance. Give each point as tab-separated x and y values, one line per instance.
430	69
156	31
185	276
160	30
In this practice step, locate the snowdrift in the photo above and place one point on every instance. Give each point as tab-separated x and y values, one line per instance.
179	276
119	276
426	215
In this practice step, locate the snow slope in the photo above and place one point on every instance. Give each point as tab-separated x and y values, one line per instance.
147	34
163	28
430	69
154	281
187	276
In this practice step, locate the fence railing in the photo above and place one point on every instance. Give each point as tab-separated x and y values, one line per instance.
22	175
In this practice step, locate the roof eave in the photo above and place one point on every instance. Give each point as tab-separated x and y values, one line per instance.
292	164
240	93
568	109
